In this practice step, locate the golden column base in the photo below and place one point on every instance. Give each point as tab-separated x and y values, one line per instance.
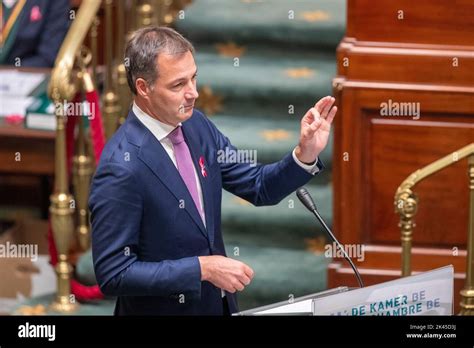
64	301
63	228
467	302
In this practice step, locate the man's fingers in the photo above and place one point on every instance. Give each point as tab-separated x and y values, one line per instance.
331	115
230	289
327	107
308	118
244	279
320	104
316	125
237	285
306	130
248	272
317	120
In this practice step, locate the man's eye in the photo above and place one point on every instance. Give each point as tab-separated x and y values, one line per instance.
178	85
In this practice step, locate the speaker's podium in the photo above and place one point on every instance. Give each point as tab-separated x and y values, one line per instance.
427	293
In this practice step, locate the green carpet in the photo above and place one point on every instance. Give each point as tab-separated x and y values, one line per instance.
262	83
287	225
261	133
315	23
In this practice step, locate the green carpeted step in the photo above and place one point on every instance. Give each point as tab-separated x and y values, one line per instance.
280	274
278	83
285	225
271	138
319	24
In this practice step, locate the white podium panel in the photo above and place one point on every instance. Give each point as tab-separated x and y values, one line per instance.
428	293
298	306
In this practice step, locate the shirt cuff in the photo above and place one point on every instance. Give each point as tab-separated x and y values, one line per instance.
310	168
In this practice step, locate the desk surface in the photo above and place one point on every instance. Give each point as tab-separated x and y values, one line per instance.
18	131
29	69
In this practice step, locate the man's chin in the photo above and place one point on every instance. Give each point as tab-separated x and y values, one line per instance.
184	114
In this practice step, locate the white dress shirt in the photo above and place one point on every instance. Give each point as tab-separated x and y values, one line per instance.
9	3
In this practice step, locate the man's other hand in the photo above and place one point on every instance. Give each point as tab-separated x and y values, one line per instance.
225	273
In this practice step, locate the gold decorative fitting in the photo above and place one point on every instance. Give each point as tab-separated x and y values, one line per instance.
275	134
230	49
208	101
299	73
315	16
316	245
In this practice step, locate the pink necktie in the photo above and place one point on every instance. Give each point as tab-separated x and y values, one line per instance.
185	165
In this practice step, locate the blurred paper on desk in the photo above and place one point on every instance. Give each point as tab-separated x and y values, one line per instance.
19	83
18	89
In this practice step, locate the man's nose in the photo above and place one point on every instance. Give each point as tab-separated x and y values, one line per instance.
192	92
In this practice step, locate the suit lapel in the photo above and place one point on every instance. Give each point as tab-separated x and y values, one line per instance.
196	153
155	157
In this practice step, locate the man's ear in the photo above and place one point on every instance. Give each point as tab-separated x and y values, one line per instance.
142	87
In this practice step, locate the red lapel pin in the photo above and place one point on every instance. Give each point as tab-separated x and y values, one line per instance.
203	166
35	14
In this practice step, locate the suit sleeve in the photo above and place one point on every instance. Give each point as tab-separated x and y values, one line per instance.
56	25
116	208
256	183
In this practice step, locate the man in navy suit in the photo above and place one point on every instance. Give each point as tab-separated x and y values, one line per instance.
156	196
33	31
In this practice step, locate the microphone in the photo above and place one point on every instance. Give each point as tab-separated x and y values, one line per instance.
307	200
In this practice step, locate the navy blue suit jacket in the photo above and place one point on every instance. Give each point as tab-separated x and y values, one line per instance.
37	42
144	243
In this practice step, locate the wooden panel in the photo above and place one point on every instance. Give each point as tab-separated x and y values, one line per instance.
404	63
368	139
35	148
399	148
424	21
386	60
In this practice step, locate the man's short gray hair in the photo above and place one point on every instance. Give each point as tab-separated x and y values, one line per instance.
143	48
